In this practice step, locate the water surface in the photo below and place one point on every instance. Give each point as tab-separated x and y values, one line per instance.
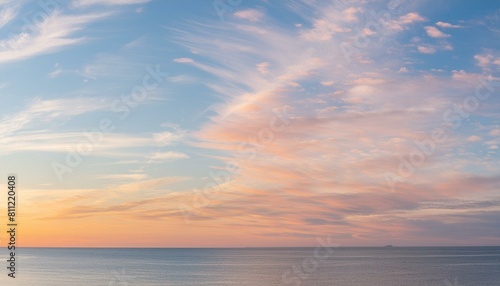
445	266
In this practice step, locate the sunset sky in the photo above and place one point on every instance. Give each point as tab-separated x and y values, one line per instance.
235	123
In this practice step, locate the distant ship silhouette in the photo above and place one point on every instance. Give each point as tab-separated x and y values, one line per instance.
389	245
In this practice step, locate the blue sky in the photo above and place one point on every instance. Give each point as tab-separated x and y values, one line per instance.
329	110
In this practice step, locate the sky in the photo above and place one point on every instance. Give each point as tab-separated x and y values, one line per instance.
251	123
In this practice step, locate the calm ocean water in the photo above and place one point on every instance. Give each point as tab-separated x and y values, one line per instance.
451	266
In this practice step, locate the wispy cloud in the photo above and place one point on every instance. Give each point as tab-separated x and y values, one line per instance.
125	177
404	21
57	71
426	49
323	30
166	156
6	15
494	132
183	60
435	33
263	67
332	131
487	61
58	30
252	15
474	138
350	14
46	111
112	145
169	137
447	25
85	3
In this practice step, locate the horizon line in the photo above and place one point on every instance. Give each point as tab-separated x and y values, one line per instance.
248	247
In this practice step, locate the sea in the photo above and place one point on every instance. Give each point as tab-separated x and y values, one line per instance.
384	266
